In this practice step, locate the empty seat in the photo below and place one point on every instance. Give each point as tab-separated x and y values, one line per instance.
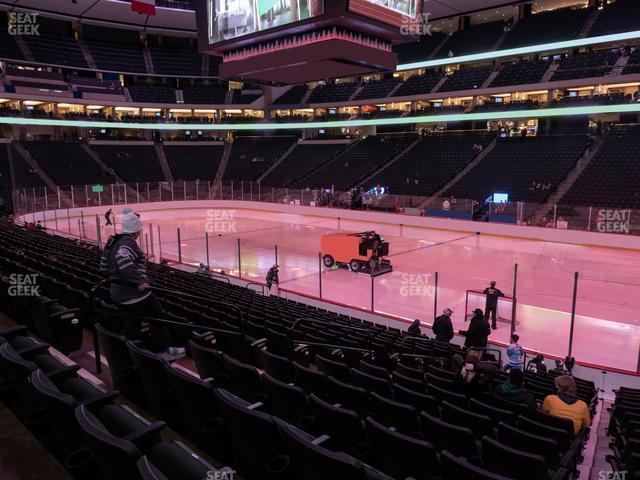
173	461
350	396
287	402
209	362
444	395
400	455
275	365
343	427
314	462
115	436
446	436
511	462
480	424
244	380
60	403
258	450
547	447
400	416
312	381
197	404
421	401
455	468
333	368
160	398
371	383
496	414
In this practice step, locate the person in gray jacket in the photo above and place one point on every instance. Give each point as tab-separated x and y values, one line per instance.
123	261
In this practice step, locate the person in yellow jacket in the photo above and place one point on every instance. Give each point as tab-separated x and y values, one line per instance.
566	404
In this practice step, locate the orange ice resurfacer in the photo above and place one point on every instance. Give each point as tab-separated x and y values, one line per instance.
362	252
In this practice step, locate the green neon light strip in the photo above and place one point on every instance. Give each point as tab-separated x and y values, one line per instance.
580	42
460	117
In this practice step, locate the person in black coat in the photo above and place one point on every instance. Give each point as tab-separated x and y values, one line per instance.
442	326
478	332
492	294
414	328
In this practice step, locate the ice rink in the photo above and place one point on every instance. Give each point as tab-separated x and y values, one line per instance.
607	330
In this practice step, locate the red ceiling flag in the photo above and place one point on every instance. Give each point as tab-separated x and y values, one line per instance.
147	7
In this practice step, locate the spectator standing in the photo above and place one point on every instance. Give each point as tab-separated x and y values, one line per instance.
272	277
492	294
442	326
123	261
107	217
478	332
515	354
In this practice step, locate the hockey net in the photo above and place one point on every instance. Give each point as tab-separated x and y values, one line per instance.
477	299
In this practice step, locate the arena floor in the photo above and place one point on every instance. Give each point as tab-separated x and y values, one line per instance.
607	328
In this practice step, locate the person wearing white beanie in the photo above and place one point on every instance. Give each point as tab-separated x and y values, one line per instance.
123	261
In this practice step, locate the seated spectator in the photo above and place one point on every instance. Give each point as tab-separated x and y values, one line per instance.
515	354
476	376
566	404
513	391
414	328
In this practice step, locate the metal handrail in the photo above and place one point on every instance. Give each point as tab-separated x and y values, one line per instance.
94	289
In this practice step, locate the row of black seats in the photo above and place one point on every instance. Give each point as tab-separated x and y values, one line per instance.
80	423
307	435
624	428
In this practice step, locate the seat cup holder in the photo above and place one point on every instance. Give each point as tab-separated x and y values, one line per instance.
212	425
278	464
361	450
78	459
35	418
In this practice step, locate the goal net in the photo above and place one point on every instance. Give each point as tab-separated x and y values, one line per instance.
477	299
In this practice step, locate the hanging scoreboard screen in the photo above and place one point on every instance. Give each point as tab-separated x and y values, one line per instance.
231	19
393	12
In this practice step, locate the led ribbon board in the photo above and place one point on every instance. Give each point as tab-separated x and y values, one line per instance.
461	117
580	42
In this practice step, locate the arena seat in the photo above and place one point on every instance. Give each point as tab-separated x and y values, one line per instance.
472	39
400	455
454	468
547	27
160	398
511	462
59	401
258	446
466	78
311	461
252	156
618	16
194	162
287	402
203	421
399	416
586	65
447	436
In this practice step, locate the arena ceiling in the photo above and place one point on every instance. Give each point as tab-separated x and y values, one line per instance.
118	12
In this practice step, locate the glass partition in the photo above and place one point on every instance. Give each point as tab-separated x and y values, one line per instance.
433	269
